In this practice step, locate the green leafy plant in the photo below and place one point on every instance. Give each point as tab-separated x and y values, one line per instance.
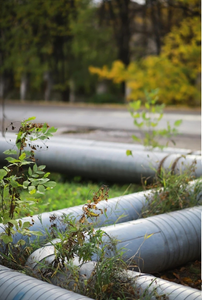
73	240
80	240
149	119
171	192
22	173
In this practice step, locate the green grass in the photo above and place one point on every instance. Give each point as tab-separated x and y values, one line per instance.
75	192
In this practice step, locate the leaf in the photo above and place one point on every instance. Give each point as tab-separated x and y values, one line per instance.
26	183
82	220
135	105
11	159
14	183
10	152
50	184
35	168
187	280
147	236
22	156
47	174
44	128
23	163
6	239
136	115
35	175
42	167
41	189
147	105
52	130
42	180
14	222
37	233
160	117
139	125
30	171
40	172
154	124
92	214
178	123
26	225
29	119
144	116
136	138
21	242
129	152
3	173
32	189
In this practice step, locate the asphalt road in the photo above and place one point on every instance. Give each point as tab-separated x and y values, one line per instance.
101	123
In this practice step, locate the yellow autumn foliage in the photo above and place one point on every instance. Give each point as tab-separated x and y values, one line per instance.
175	71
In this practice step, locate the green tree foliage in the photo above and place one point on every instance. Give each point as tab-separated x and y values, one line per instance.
92	44
60	37
175	71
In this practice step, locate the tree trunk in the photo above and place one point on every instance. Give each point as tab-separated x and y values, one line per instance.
101	87
48	85
23	87
72	97
2	86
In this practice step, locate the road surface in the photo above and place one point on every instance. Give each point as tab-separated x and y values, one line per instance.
101	123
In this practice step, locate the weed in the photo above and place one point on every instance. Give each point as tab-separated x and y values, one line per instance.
171	192
150	117
14	178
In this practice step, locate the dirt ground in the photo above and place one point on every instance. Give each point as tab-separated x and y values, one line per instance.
188	275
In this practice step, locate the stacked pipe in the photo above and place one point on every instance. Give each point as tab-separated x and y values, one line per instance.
118	210
109	164
175	239
144	284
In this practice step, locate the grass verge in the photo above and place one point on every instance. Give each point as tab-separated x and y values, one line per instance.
68	193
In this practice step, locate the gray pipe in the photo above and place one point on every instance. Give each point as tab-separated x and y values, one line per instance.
18	286
175	239
125	146
110	164
93	143
119	209
140	281
173	291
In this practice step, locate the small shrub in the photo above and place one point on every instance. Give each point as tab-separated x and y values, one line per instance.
14	178
148	119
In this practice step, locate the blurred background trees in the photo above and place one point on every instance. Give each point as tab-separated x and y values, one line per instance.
46	48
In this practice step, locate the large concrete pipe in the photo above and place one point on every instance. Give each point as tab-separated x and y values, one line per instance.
10	137
18	286
174	239
142	283
110	164
118	210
